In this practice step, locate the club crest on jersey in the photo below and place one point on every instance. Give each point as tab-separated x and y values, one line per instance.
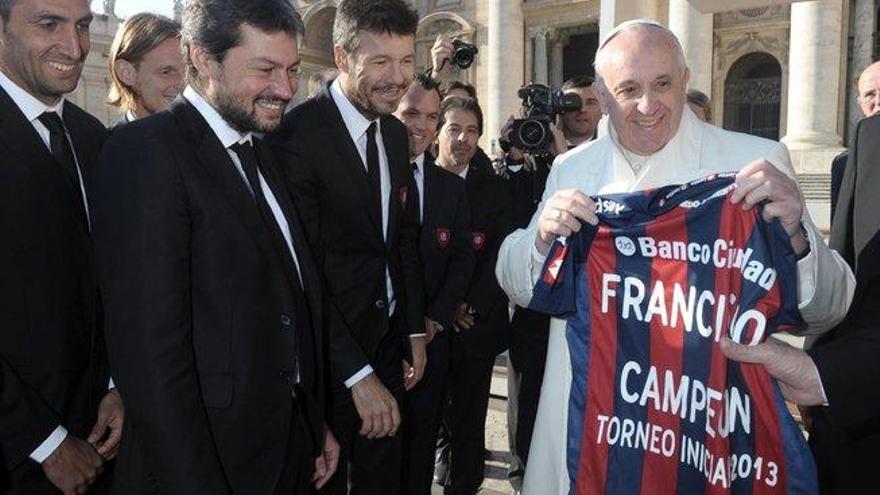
625	245
478	240
551	274
404	193
443	236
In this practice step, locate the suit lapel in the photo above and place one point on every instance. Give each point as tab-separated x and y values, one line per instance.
429	184
401	177
350	157
215	161
271	174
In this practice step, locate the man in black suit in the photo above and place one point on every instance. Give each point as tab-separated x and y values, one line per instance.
56	438
840	374
868	86
213	303
448	263
481	323
348	165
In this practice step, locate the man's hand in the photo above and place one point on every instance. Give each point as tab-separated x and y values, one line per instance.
111	414
73	466
325	464
760	181
414	373
798	376
562	216
463	319
441	56
432	328
376	407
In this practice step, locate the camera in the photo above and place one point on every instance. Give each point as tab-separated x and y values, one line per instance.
463	53
541	105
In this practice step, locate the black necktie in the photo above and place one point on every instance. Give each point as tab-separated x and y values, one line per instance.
373	175
63	153
59	144
251	165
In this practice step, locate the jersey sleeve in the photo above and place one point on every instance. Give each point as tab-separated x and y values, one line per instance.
555	291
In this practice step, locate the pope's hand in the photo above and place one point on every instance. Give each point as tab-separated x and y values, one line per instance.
760	181
562	216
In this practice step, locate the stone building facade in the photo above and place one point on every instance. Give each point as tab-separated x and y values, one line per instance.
777	68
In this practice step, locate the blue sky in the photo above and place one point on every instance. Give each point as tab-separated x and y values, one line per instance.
125	8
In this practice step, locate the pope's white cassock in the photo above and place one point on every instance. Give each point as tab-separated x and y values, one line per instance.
825	283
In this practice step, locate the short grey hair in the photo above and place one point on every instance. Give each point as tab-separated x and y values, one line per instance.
634	25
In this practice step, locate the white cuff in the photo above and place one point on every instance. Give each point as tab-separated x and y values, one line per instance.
360	375
49	445
807	268
110	384
414	335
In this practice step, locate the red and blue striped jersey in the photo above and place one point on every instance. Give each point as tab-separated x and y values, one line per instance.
654	407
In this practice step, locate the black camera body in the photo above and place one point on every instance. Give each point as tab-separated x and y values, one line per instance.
541	105
463	54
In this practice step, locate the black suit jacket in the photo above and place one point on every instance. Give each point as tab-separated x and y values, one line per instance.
491	222
838	167
49	304
202	324
331	189
445	245
847	357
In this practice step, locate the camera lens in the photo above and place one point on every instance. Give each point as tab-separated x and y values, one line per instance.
532	134
463	58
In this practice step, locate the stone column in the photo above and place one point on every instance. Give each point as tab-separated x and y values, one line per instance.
557	74
613	12
505	47
694	31
542	37
864	25
816	73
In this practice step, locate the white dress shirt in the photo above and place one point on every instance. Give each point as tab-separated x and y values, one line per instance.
32	108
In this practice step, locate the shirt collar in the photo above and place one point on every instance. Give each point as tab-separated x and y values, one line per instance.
29	105
353	119
464	172
420	163
129	116
225	133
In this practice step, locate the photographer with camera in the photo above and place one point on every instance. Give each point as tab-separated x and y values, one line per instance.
448	52
580	126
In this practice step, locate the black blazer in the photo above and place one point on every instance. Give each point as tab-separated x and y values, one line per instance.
202	329
445	244
48	295
491	221
838	167
847	356
331	190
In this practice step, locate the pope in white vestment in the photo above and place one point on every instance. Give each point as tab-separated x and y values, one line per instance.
603	166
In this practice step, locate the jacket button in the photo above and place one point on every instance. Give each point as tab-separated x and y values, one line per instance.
380	304
285	320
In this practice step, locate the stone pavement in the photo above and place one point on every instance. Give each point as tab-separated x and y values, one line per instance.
496	440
